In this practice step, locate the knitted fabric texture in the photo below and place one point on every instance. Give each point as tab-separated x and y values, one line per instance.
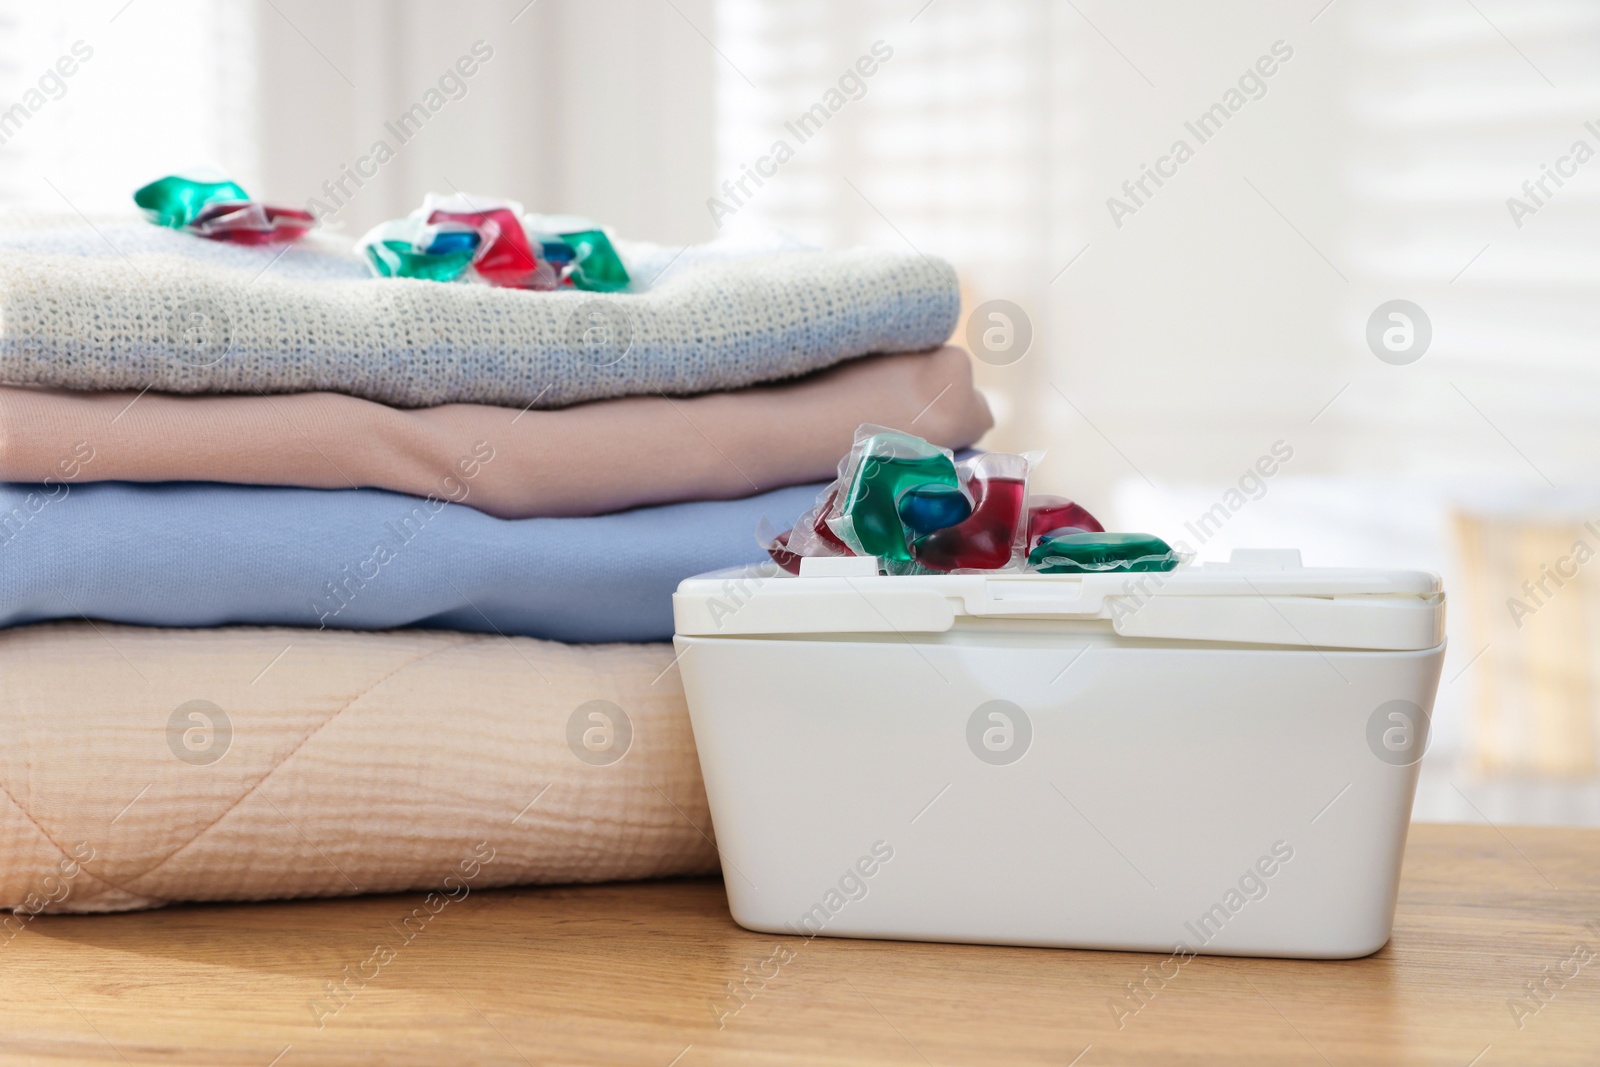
121	306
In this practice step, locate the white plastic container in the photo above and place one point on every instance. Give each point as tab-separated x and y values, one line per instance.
1220	759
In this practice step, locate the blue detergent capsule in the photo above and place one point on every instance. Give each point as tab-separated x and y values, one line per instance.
451	242
556	250
932	506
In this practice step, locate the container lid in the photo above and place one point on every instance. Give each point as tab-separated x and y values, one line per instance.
1260	596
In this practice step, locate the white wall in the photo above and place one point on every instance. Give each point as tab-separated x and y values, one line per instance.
1230	309
602	108
148	89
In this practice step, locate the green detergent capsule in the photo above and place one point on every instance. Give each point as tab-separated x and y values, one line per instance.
889	465
1074	551
596	265
177	201
399	259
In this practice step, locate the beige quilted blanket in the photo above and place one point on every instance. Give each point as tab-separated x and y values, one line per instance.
144	766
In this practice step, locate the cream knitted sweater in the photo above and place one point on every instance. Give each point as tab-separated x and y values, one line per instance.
126	305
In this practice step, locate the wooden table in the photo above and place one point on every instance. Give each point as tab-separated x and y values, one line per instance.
638	974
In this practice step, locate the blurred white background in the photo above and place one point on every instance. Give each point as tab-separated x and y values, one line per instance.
1173	343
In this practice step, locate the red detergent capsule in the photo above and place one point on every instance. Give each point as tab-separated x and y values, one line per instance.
983	541
820	525
505	258
250	223
809	537
778	549
1046	513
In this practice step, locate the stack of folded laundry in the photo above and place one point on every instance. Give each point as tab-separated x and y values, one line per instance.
317	582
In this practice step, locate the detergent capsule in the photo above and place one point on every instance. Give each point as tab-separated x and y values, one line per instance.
505	257
251	223
410	248
177	200
926	508
1074	551
595	263
990	537
1046	513
883	466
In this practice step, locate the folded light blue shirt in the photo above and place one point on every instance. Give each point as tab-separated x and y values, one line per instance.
201	554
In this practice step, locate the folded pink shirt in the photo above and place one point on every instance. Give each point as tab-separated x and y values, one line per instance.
583	460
